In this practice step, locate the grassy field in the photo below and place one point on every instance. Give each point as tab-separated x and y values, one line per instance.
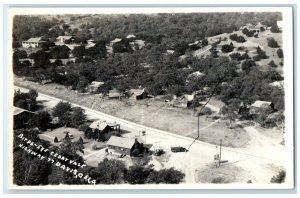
226	173
151	112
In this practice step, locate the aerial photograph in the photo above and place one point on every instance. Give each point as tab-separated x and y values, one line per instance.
148	99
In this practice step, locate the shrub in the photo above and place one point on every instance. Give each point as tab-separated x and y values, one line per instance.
262	29
204	42
260	54
247	32
272	43
280	53
227	48
235	56
280	178
247	65
239	57
83	127
206	111
274	28
239	39
240	48
55	139
272	64
218	180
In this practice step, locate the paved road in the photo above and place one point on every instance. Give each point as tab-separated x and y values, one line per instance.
199	154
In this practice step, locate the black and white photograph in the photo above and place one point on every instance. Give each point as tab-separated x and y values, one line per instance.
152	98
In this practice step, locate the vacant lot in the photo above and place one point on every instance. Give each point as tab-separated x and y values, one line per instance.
226	173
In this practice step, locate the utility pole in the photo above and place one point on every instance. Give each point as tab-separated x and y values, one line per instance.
220	152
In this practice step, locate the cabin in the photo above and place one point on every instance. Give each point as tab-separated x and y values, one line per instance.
125	146
104	130
21	117
93	87
185	101
115	94
33	42
138	94
259	105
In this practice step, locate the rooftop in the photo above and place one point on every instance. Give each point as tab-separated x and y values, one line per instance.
130	36
99	125
121	142
116	40
96	84
137	91
18	110
260	103
34	40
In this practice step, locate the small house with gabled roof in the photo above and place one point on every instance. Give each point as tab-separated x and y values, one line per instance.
33	42
125	146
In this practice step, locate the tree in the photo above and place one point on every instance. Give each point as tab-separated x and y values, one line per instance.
272	64
137	175
280	178
40	120
204	42
275	28
80	140
109	172
247	32
60	109
82	83
280	53
77	117
55	140
60	52
260	54
166	176
227	48
247	65
33	94
272	43
206	111
79	51
231	109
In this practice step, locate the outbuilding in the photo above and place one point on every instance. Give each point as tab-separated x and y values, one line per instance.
125	146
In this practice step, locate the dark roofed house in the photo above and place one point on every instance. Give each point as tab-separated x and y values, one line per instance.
103	130
32	42
21	117
125	146
138	94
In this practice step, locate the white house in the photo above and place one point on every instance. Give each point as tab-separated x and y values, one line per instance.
32	42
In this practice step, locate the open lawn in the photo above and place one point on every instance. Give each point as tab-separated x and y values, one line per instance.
226	173
151	112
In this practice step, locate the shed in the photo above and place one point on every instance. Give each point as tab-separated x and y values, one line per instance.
138	94
259	104
115	94
93	87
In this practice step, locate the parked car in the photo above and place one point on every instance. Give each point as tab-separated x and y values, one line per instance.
176	149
